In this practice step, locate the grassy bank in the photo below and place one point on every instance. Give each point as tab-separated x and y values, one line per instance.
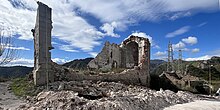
23	87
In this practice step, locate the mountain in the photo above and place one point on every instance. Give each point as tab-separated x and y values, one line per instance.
15	71
155	63
79	64
199	69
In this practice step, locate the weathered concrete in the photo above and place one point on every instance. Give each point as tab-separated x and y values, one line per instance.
42	45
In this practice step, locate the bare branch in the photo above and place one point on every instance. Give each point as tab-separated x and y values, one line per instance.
6	54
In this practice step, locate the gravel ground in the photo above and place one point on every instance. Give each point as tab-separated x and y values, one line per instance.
7	99
87	95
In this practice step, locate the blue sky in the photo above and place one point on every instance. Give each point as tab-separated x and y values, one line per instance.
81	27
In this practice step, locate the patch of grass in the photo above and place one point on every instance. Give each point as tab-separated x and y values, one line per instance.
22	87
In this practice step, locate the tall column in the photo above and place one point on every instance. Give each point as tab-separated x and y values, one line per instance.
42	45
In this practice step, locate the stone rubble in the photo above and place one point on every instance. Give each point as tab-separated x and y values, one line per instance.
88	95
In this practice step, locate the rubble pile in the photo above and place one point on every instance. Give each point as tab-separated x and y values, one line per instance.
88	95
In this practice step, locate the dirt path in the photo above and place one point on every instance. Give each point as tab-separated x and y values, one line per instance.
197	105
7	99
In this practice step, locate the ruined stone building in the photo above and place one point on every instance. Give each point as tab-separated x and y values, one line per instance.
132	55
42	45
134	51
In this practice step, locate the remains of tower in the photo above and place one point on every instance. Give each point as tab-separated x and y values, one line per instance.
42	73
133	52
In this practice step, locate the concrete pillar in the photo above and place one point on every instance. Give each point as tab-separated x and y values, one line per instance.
42	45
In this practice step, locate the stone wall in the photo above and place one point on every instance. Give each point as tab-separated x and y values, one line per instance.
42	45
135	76
134	52
108	58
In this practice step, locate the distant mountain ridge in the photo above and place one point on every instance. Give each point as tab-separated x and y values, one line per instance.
15	71
200	68
79	64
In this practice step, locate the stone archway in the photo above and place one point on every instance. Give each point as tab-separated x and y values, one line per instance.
131	50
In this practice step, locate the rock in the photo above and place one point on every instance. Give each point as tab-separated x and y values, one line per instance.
61	86
107	95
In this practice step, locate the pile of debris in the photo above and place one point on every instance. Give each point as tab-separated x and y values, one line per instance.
186	82
105	95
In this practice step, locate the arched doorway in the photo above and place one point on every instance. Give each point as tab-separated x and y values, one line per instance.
131	54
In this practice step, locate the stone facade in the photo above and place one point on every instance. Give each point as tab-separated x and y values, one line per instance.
42	45
134	52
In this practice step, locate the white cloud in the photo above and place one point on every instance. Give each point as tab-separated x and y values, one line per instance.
20	20
195	50
202	24
206	57
54	43
156	47
109	29
30	62
67	48
179	15
93	54
74	30
184	5
179	45
190	40
130	11
160	54
179	31
60	60
17	48
142	34
17	20
21	62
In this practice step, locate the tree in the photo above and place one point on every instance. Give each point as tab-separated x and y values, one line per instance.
7	53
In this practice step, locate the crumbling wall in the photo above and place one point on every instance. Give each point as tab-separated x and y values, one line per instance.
135	76
134	52
42	45
110	57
